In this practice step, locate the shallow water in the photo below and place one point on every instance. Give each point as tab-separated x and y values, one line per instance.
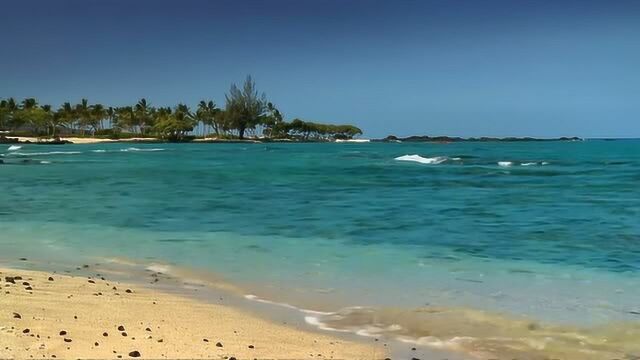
523	233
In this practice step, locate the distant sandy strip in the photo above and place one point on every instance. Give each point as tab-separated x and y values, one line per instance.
84	140
45	315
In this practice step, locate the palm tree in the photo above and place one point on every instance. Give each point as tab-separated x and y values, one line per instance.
98	114
83	113
208	115
143	115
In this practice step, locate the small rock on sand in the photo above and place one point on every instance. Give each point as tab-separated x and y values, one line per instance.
134	354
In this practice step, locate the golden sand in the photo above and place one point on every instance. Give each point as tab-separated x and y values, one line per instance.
44	315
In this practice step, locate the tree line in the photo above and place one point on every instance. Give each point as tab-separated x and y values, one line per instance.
246	112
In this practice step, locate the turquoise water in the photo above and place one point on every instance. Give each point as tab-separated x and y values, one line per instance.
545	230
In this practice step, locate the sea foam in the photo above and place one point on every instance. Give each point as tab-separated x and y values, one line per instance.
141	150
422	160
505	163
14	147
47	153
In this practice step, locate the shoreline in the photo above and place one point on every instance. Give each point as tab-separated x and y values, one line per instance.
49	314
430	332
389	139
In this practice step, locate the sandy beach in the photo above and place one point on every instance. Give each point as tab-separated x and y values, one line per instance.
48	315
84	140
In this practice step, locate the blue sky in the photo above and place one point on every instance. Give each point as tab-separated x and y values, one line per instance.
439	67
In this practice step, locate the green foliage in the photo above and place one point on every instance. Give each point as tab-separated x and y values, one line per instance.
174	125
244	108
246	111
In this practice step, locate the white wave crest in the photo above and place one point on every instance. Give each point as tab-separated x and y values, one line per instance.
422	160
505	163
141	150
47	153
529	164
99	151
14	147
45	162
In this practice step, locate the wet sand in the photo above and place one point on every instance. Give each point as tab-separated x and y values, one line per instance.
47	315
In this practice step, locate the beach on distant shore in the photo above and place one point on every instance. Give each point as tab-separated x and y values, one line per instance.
49	315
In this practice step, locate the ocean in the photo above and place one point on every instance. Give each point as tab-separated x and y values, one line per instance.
524	249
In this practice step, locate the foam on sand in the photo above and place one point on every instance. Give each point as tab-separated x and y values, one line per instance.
422	160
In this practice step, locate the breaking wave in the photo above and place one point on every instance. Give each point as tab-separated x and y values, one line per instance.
46	153
14	147
422	160
141	150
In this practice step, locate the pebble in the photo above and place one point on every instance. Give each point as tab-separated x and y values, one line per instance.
17	316
120	328
105	334
67	340
134	354
26	331
219	344
62	333
128	291
50	278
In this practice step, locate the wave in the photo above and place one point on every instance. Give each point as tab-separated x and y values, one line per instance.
45	162
505	163
46	153
482	334
422	160
14	147
141	150
99	151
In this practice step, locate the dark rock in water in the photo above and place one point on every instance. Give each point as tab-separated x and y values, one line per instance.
634	312
50	278
28	288
17	277
128	291
120	328
23	259
25	283
10	279
134	353
91	282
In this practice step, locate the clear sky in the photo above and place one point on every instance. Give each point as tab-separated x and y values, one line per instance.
437	67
